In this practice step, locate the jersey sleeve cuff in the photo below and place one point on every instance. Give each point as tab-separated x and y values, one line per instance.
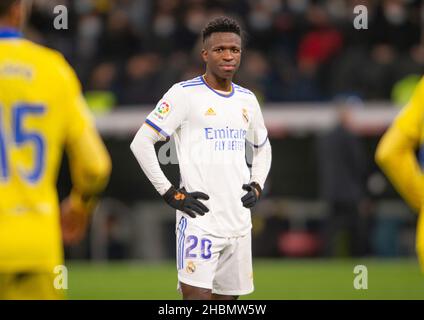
258	145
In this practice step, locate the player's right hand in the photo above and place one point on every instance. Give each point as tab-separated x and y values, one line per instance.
187	202
75	218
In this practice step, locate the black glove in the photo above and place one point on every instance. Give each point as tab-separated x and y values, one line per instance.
252	196
187	202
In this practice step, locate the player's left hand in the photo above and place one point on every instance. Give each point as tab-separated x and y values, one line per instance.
252	196
74	220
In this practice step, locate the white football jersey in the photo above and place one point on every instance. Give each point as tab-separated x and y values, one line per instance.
210	131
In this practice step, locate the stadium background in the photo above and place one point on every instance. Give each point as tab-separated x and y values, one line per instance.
306	63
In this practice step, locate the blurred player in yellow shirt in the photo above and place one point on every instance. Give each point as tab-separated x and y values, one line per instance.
396	155
42	112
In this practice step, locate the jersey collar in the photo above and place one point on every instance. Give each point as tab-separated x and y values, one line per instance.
8	33
230	94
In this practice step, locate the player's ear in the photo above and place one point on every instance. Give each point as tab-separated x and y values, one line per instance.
25	13
205	55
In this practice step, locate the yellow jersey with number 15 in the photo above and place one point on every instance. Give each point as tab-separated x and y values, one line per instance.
41	113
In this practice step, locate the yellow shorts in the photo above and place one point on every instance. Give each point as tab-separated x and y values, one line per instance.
29	286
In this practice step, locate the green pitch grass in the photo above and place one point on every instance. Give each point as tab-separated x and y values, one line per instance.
274	280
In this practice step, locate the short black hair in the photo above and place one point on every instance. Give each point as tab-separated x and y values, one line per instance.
5	6
221	24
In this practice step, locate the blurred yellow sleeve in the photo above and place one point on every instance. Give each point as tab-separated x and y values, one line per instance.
396	152
90	163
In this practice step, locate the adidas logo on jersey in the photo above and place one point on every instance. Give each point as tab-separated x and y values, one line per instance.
210	112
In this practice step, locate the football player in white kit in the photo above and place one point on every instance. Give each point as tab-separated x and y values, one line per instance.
212	120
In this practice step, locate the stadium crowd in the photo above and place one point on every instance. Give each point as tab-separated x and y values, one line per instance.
128	52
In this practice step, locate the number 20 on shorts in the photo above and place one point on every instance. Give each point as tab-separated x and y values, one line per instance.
205	247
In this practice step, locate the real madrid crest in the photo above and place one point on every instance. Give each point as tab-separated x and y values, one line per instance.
191	267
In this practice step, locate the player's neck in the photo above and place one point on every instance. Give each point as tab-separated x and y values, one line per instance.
217	83
6	24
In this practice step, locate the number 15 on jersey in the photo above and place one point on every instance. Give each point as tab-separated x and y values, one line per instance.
19	137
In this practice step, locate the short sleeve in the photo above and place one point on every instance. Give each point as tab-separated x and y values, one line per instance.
257	134
169	113
410	119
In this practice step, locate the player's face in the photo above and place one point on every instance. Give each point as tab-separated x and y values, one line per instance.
222	53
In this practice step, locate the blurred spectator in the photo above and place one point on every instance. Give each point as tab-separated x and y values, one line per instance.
90	27
396	25
102	92
347	74
255	74
322	42
342	182
378	76
260	23
164	26
141	84
194	19
119	40
317	48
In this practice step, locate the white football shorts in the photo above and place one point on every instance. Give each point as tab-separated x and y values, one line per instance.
223	265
